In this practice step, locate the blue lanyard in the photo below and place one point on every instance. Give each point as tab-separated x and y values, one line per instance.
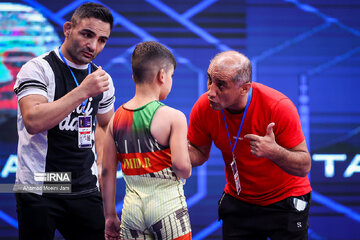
242	121
83	104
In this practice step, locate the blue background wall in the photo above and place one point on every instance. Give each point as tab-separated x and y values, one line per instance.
309	50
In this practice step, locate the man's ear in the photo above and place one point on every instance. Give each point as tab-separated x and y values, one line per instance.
245	88
67	28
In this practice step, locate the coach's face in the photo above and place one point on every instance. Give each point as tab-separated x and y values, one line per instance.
222	91
85	40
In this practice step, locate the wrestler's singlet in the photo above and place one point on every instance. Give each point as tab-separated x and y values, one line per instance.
153	190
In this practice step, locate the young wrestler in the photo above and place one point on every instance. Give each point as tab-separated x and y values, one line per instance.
149	139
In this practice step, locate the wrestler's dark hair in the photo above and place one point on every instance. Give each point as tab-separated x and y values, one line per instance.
149	57
92	10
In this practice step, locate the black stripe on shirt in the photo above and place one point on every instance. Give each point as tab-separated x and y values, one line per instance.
30	84
107	103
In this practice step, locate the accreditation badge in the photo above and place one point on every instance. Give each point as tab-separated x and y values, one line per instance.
236	175
84	131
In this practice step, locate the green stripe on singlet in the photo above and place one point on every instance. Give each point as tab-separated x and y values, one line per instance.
143	116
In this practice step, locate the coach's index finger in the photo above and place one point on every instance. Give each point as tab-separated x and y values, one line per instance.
252	137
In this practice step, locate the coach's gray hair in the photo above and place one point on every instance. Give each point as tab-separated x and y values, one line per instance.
237	62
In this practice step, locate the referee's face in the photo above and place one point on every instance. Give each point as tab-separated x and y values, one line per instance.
85	40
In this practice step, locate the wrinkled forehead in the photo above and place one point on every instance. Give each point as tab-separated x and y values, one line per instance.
223	68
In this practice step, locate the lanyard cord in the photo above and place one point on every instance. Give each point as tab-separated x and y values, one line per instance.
242	121
83	104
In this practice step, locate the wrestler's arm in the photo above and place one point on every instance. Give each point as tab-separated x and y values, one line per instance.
169	128
178	145
100	131
109	169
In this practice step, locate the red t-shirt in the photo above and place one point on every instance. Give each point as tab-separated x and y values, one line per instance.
262	181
